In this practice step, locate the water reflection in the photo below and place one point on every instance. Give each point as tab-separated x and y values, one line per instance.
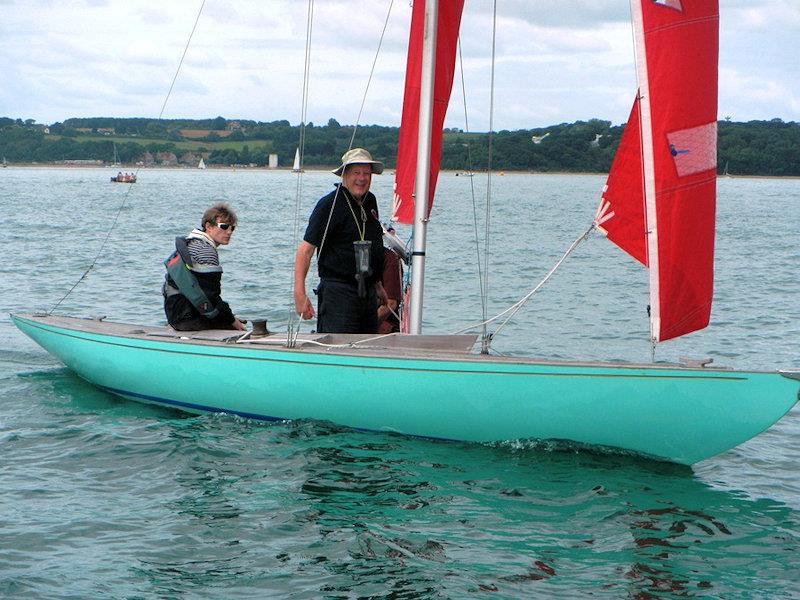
499	520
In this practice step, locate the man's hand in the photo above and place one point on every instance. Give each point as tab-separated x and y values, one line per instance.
302	305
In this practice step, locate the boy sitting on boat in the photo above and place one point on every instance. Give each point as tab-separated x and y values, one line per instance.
193	283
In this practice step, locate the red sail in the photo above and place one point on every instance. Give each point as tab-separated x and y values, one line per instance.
660	199
449	22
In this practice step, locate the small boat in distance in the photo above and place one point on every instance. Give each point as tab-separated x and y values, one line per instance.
296	167
124	178
201	164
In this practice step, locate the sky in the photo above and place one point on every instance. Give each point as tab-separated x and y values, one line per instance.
557	61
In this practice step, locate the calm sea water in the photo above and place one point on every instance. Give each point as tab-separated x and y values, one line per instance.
103	498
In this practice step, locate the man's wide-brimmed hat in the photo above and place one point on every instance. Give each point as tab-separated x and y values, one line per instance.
359	156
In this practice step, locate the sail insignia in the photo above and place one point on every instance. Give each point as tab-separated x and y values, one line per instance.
695	149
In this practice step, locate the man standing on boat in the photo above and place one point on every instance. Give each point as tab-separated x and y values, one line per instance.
193	285
347	236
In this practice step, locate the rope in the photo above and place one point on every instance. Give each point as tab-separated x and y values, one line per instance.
246	336
136	173
514	308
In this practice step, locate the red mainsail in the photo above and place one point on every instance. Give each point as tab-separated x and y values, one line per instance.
449	22
660	199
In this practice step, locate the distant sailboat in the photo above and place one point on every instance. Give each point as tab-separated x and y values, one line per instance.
5	162
201	164
116	160
296	167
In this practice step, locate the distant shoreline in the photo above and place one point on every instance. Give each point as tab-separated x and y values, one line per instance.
134	168
498	173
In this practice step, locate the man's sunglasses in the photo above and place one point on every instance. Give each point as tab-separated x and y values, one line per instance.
226	226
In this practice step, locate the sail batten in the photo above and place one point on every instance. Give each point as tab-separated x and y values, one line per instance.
662	185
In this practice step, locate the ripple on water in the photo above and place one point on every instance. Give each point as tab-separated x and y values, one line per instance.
109	498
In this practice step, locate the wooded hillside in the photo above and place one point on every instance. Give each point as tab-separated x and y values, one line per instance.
767	148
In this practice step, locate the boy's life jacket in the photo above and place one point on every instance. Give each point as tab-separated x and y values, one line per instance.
181	273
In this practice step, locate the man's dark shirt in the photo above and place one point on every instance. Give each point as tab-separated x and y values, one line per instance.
336	258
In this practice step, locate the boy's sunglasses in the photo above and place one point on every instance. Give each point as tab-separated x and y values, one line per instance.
226	226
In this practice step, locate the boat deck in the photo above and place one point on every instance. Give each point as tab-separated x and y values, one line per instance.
448	344
396	345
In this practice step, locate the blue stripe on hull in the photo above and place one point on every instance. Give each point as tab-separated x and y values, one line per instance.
188	406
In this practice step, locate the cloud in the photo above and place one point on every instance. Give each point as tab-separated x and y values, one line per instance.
557	60
750	95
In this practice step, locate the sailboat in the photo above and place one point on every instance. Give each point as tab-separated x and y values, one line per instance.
201	164
675	413
296	166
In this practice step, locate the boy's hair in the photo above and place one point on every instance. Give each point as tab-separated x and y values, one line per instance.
219	212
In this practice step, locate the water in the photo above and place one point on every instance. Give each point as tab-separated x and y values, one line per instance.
103	498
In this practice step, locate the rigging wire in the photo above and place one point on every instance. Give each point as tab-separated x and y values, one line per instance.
369	79
515	308
350	145
472	189
136	173
293	324
487	339
511	311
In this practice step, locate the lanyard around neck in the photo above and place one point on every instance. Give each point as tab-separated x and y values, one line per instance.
362	228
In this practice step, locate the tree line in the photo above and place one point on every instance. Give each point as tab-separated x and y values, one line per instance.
766	148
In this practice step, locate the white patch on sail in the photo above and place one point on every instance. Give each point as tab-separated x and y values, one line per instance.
676	4
398	201
603	214
694	150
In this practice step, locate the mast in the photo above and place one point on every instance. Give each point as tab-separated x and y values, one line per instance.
422	181
648	168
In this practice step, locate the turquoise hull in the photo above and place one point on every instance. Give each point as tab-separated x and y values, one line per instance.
676	414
